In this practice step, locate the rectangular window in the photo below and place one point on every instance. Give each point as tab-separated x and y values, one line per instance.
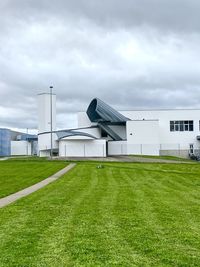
172	126
191	148
181	126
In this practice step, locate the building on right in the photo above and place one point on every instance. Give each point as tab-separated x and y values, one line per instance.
174	132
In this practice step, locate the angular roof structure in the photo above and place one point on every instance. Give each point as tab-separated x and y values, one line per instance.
99	111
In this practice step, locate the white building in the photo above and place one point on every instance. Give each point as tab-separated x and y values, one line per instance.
104	131
46	119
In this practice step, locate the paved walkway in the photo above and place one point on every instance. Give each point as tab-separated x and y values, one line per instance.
29	190
3	158
126	159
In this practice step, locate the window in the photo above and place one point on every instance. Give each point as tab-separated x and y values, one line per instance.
191	150
104	134
182	126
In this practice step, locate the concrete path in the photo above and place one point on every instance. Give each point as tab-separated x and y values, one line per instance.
3	158
126	159
29	190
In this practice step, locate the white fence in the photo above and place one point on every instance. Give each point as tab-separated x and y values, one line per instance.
82	149
122	148
98	148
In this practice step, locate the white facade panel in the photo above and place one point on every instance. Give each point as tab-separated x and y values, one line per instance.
20	148
143	137
44	112
96	132
82	148
83	120
44	141
143	132
44	123
134	149
150	149
143	149
117	148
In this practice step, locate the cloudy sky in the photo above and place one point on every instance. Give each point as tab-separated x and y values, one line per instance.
130	53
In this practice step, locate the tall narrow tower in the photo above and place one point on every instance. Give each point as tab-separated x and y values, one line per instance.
46	116
44	112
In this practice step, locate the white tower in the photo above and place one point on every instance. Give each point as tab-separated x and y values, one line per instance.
46	116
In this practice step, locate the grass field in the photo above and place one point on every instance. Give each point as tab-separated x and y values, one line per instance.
120	215
17	174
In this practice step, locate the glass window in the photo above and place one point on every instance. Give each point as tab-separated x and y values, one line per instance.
191	148
172	127
176	126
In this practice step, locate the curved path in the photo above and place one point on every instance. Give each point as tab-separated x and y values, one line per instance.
29	190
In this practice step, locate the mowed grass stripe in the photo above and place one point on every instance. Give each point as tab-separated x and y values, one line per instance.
121	215
20	174
113	239
168	222
68	225
33	221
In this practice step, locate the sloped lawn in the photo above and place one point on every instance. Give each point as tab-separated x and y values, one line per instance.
19	174
120	215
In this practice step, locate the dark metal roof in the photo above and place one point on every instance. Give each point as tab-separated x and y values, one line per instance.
109	131
27	137
99	111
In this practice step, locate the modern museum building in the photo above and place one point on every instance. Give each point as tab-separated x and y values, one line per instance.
103	131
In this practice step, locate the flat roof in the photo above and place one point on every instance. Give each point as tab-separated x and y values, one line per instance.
164	109
175	109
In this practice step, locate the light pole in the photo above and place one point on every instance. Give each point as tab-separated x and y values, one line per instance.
27	141
51	115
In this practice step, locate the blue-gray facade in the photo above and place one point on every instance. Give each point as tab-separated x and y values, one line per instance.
7	135
5	142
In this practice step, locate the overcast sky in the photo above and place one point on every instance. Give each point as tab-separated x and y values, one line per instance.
130	53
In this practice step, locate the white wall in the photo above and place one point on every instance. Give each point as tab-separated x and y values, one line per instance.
83	120
44	141
117	148
44	122
143	137
96	132
20	148
166	137
82	148
44	112
45	153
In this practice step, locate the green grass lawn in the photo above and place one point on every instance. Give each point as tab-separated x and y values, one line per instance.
17	174
121	215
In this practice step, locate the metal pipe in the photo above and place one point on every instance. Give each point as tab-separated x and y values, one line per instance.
27	141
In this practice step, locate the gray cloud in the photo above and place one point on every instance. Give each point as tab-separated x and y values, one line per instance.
131	53
175	15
